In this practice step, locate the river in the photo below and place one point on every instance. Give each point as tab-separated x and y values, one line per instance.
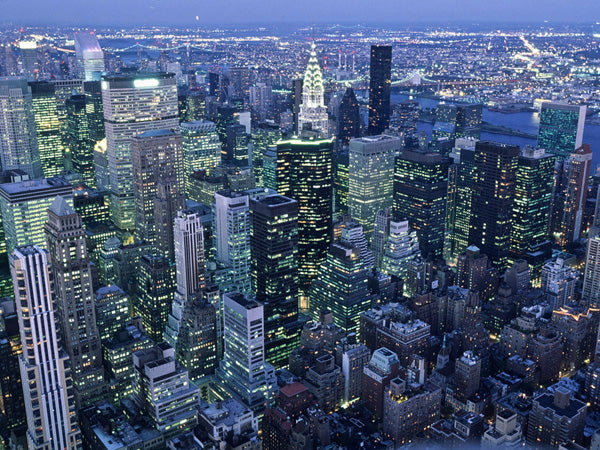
527	122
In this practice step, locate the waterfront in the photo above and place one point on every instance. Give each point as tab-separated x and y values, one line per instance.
527	122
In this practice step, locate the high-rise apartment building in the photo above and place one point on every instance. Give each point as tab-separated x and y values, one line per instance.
401	247
50	407
18	140
47	127
371	177
493	199
158	186
72	277
420	190
380	88
274	256
133	104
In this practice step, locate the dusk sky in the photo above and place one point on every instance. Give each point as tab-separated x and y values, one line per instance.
184	12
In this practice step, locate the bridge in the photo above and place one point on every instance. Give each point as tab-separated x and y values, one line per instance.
417	78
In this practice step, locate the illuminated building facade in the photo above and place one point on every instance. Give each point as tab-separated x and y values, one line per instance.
371	177
561	128
78	139
132	105
157	164
265	136
72	277
401	247
47	127
90	57
341	287
274	256
18	139
304	173
313	112
492	202
24	205
232	236
529	237
380	88
420	190
163	391
112	311
51	416
243	370
155	289
201	146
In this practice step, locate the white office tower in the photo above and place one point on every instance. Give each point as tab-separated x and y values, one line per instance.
18	138
231	219
90	57
591	276
50	406
132	105
401	247
243	370
313	112
163	391
371	177
189	265
201	146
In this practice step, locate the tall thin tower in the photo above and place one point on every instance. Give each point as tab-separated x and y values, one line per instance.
75	300
313	113
51	424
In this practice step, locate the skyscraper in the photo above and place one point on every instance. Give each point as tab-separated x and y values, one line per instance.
457	121
47	127
264	137
90	57
460	193
232	236
304	173
133	104
561	128
341	287
51	416
493	199
274	251
157	165
155	289
591	275
189	266
24	204
420	190
313	113
380	88
78	139
18	140
348	118
243	370
201	146
72	277
401	247
529	238
371	177
571	195
237	145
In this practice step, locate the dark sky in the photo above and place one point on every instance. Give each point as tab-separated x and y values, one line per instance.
184	12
